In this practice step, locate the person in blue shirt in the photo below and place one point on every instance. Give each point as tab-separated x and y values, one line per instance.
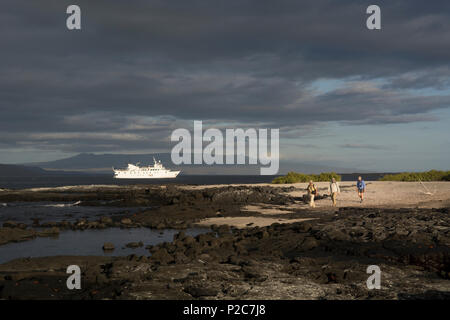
361	188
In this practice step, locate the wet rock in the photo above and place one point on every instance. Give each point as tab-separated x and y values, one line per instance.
92	225
35	223
223	230
357	232
132	257
179	236
263	234
81	223
188	240
15	235
337	235
108	246
309	243
10	224
162	257
238	260
126	221
65	225
134	244
201	291
236	291
205	257
180	258
240	249
215	243
160	226
170	247
106	220
192	252
204	239
253	273
303	227
49	232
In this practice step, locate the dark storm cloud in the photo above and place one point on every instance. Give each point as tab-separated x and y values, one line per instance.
248	62
364	146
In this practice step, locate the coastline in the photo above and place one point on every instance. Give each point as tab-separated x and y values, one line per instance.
264	243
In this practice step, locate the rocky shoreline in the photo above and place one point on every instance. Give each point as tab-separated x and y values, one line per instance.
323	258
172	207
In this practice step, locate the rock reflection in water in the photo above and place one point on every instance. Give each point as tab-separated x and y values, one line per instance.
90	242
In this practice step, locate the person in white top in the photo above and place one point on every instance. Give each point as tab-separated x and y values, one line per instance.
334	191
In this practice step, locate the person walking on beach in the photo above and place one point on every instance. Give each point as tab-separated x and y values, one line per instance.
334	191
312	192
361	188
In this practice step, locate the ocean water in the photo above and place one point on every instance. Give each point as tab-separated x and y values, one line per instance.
71	180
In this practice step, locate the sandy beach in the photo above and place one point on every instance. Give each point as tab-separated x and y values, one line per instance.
388	194
379	194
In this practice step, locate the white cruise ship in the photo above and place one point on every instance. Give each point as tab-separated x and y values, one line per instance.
149	172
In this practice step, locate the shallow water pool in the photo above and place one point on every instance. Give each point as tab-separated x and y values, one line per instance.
90	243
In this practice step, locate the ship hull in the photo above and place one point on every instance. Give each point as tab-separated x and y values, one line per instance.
130	175
157	171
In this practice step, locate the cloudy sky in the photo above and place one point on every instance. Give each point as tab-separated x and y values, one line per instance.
339	93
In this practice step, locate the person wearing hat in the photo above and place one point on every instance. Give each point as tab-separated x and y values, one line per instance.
334	191
312	192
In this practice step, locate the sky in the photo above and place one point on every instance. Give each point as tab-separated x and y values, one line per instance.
340	94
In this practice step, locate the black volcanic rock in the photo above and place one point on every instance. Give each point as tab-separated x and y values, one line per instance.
201	291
